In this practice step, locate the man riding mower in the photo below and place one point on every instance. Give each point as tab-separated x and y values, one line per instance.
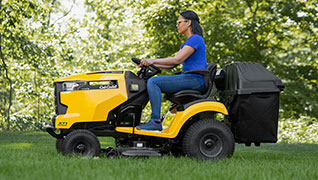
110	103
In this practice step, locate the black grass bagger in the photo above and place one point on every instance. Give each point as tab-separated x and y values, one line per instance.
110	103
252	94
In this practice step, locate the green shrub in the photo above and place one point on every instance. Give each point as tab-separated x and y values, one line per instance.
302	130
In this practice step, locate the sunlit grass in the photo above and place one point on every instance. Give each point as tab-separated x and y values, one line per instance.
17	146
33	156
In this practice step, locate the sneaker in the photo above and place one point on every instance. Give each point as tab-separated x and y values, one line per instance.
152	125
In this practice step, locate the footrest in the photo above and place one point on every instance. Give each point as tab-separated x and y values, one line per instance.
165	133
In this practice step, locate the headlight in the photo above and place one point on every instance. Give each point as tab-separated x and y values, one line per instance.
74	85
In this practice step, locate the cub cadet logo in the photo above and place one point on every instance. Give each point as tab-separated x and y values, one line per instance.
62	124
108	87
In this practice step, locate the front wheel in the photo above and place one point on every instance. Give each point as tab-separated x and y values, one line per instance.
59	145
208	139
81	142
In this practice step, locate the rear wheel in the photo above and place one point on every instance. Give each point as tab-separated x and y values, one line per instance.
208	139
81	142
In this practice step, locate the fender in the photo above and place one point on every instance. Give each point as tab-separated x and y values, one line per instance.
192	109
181	117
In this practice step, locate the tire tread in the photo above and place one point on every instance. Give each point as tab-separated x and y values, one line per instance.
188	141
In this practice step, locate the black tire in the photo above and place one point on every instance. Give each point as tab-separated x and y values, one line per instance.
208	139
59	145
81	142
112	154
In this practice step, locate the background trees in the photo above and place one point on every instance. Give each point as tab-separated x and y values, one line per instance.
281	35
26	63
45	40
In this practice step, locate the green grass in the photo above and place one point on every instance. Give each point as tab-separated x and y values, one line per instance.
33	156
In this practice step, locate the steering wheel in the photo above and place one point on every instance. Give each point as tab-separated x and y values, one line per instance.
144	71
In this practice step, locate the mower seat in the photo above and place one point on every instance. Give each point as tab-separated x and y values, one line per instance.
186	96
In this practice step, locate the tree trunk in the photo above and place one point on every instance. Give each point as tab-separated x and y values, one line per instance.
255	33
7	113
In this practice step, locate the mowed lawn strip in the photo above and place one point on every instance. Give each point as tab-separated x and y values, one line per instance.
32	155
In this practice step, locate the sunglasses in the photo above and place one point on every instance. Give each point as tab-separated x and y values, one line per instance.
180	21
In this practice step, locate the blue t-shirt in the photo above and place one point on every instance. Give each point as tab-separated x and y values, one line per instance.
197	60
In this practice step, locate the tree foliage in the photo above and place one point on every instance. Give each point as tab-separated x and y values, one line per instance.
25	62
40	41
281	35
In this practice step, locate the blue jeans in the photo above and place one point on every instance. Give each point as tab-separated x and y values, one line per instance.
169	84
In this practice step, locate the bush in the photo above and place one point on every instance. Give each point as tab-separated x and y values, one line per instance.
302	130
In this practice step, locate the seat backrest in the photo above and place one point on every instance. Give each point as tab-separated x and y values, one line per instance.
186	96
209	78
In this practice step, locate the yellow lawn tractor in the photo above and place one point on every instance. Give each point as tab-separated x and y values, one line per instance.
110	103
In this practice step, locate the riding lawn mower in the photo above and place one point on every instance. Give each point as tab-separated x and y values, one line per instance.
110	103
